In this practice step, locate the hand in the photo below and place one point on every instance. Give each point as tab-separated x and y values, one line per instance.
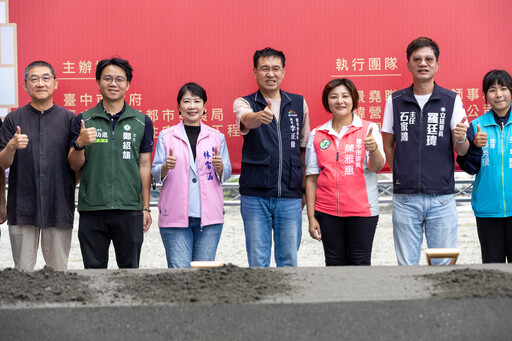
3	213
87	135
19	140
217	161
146	219
460	130
480	137
369	141
170	162
314	229
267	115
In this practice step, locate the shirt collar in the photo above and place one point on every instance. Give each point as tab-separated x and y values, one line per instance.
116	115
356	122
39	112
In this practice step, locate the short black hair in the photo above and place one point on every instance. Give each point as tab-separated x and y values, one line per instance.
39	63
195	89
123	64
492	77
334	84
267	52
421	42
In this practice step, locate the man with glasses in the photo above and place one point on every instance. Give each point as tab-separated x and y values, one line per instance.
275	127
34	143
112	145
423	124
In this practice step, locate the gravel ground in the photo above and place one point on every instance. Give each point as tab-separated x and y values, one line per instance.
232	244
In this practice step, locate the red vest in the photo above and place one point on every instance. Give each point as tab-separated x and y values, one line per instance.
341	187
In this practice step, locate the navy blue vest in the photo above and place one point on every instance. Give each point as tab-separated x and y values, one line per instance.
271	164
424	159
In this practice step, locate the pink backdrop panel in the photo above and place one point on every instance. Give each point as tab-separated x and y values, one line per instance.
170	43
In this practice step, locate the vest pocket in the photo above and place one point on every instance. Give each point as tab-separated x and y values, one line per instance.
256	170
296	172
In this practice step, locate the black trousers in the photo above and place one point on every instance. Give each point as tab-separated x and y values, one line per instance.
97	229
495	235
347	240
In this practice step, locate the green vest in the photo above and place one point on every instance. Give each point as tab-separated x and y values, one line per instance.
110	175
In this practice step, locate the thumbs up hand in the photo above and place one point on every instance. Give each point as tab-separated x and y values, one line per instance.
87	135
217	161
266	115
369	141
461	129
480	137
19	140
170	162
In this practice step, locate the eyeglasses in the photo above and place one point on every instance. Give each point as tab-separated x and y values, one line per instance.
45	78
110	79
275	69
419	60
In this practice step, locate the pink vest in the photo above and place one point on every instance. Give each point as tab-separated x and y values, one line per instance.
173	202
341	187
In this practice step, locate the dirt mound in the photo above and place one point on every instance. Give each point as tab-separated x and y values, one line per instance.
466	282
227	284
43	286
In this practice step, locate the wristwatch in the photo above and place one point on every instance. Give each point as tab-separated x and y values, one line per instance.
461	141
76	146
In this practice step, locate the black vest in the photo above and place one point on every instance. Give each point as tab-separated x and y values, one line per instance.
271	164
424	156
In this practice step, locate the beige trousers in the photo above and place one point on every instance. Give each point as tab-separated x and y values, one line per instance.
55	245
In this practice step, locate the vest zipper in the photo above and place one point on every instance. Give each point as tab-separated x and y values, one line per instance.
420	141
113	161
503	172
337	190
280	174
198	182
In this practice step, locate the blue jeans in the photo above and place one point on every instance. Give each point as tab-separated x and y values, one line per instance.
415	213
261	215
193	243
